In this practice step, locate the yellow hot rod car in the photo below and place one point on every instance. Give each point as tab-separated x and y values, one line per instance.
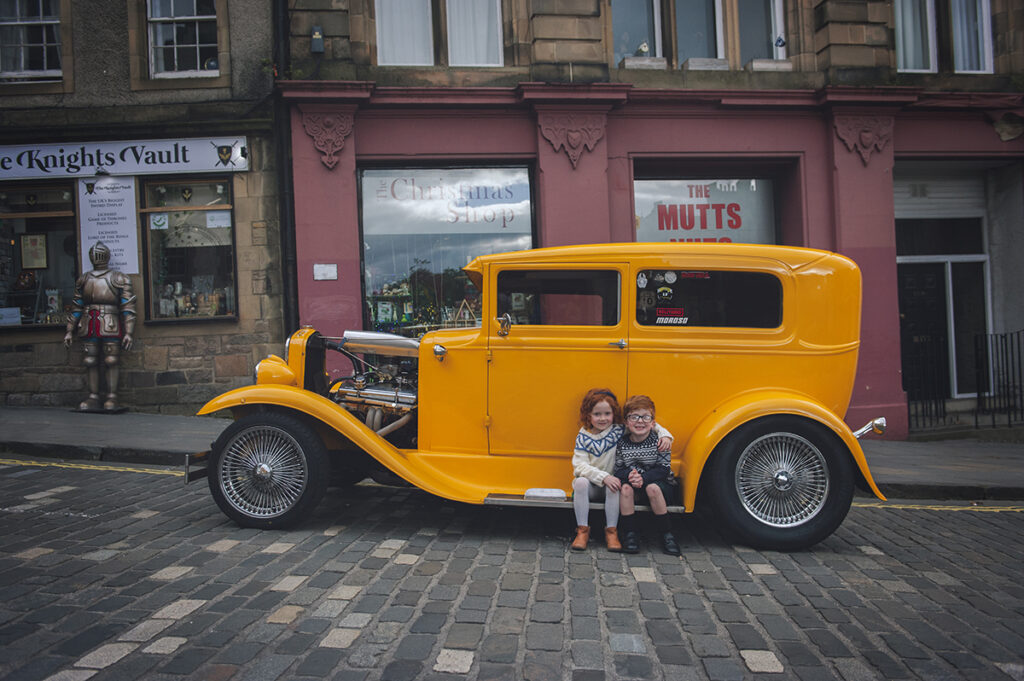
748	351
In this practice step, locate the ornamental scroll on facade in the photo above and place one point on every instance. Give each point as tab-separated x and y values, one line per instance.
864	134
328	131
572	132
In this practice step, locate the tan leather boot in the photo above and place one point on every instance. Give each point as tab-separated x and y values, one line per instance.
582	537
611	539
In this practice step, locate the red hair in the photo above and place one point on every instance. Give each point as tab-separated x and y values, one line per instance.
636	403
593	398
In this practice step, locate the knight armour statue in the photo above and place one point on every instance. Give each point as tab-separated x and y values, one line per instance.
103	313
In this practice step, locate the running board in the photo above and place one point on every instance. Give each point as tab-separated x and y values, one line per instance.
539	502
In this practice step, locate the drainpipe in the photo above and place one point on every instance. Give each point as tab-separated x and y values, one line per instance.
282	149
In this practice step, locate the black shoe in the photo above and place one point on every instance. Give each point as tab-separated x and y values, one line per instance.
670	545
629	544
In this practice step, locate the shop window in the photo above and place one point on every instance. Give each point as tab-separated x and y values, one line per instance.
421	226
943	35
680	30
38	252
178	43
698	210
447	33
564	298
708	298
190	249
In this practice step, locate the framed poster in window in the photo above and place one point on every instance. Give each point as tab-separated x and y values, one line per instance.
33	251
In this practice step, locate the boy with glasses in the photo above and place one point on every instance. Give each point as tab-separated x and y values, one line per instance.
644	471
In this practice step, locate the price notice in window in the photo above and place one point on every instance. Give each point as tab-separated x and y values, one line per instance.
740	211
107	214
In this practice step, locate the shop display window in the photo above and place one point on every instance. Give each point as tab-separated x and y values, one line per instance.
38	248
421	226
705	211
190	249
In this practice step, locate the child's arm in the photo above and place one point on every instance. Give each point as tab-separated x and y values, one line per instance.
659	471
664	438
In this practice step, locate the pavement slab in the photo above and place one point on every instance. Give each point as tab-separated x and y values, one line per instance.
915	590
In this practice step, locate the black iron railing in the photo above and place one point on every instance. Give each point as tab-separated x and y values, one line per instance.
999	363
926	380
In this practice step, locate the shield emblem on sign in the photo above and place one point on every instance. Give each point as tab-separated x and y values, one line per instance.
186	193
30	199
90	187
224	154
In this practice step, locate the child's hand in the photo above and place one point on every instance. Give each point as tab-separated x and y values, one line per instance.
612	483
664	444
635	479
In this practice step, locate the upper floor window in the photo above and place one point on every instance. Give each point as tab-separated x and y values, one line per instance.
685	29
30	40
934	35
452	33
183	38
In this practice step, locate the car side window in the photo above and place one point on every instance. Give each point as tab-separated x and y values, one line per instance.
560	297
708	298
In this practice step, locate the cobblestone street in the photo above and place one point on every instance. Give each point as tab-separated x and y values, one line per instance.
120	572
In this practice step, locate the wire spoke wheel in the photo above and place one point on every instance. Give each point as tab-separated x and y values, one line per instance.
263	472
782	479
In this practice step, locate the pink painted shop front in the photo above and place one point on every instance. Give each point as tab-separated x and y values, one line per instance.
605	163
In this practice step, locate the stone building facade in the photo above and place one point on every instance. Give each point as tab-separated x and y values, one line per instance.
145	78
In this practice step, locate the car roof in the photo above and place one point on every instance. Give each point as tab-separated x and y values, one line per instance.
791	256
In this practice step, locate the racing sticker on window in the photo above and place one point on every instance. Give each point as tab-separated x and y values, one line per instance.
660	296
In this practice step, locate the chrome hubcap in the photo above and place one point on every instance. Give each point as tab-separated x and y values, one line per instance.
782	479
263	472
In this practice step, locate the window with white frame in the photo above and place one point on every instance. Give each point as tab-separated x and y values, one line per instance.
471	33
183	38
972	31
30	41
685	29
963	46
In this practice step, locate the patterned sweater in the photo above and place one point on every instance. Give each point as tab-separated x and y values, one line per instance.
593	456
644	457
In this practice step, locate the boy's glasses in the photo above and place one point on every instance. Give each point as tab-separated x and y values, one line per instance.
640	418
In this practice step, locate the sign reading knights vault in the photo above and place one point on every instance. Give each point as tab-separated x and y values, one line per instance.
131	157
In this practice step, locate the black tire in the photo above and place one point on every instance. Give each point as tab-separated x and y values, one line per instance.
781	482
268	470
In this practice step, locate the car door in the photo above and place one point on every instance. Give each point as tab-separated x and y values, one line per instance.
558	331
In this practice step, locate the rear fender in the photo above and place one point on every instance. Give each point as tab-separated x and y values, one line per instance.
402	462
731	415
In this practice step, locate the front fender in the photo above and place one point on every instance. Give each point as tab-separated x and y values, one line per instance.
405	463
732	414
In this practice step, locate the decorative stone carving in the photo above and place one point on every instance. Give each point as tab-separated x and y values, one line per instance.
572	132
864	134
328	131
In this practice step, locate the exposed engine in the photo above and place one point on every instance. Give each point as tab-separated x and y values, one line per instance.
383	386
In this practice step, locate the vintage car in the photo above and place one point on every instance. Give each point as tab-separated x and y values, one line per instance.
749	353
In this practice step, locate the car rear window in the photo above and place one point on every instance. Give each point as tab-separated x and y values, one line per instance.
560	297
708	298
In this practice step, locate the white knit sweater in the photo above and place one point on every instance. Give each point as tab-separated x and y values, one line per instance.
593	456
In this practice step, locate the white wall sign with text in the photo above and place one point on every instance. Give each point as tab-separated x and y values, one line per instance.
106	212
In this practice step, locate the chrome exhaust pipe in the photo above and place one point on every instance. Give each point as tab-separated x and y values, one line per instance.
876	426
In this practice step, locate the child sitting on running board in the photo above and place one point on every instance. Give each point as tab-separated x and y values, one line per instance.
592	461
644	470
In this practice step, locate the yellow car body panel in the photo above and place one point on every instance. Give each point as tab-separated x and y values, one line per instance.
497	413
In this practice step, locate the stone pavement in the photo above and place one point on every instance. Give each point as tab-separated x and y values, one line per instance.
111	572
960	468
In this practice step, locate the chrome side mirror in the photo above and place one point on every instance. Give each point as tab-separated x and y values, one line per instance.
440	351
504	324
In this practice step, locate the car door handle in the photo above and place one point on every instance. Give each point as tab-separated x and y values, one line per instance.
621	343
